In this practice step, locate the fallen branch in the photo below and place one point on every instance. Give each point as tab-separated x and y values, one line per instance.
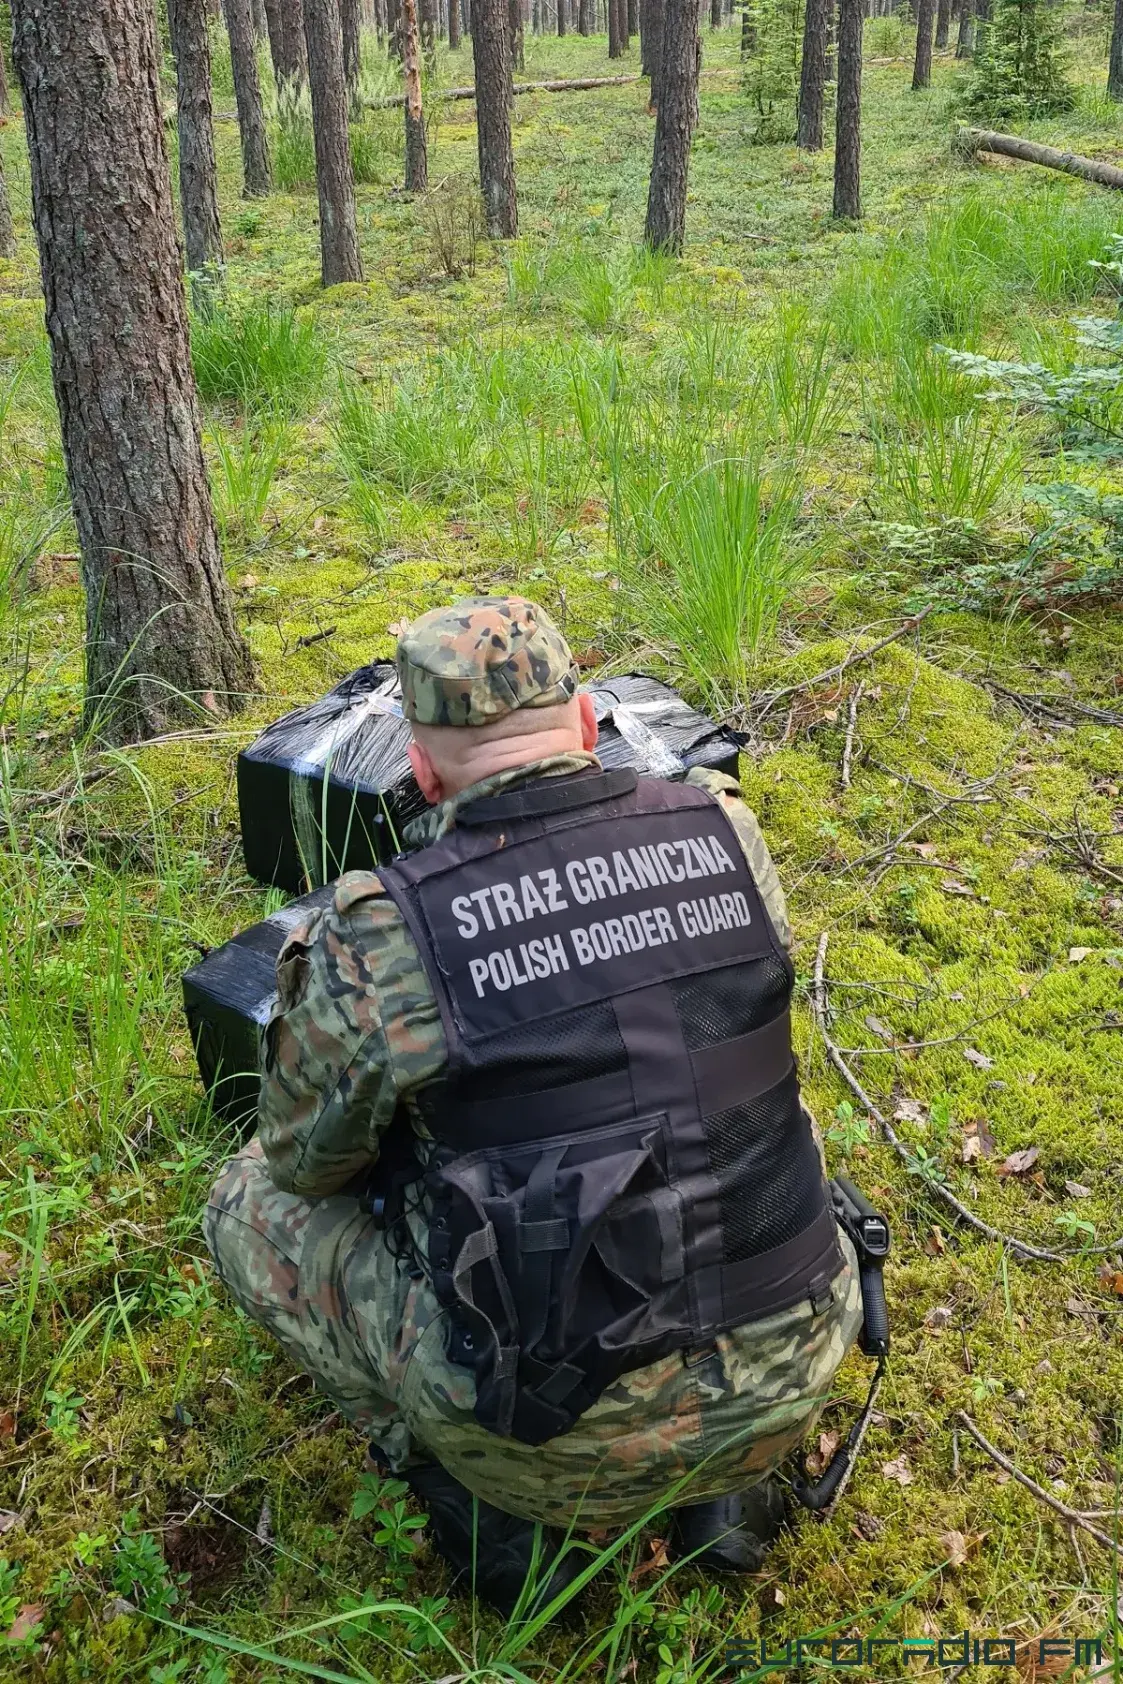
571	85
770	698
851	728
1060	709
1072	1516
972	141
310	638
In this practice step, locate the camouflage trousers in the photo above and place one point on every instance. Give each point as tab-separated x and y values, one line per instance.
321	1278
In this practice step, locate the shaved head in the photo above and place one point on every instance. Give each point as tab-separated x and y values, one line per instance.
449	758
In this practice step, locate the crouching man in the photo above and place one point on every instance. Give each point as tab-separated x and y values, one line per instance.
606	1271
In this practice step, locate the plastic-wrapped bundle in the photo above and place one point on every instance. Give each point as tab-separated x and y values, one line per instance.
227	998
328	788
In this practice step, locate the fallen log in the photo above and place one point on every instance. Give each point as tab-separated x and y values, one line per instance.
571	85
1030	152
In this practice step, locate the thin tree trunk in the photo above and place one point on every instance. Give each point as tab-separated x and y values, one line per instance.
625	24
1115	56
748	29
285	19
247	94
427	18
656	10
633	19
848	113
491	55
453	25
966	38
161	641
7	232
943	23
417	153
922	67
562	18
585	17
350	29
5	102
674	127
615	34
198	174
813	75
515	31
335	179
715	14
394	28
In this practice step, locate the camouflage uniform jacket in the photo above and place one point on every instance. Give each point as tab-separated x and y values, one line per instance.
356	1032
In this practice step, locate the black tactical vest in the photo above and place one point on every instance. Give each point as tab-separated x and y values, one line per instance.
622	1166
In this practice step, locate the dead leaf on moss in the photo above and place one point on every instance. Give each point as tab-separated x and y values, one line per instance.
1077	1190
1075	954
1111	1279
818	1458
1020	1162
898	1469
935	1245
876	1027
910	1111
954	1547
978	1059
29	1616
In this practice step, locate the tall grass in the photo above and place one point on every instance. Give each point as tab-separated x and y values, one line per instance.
261	356
246	464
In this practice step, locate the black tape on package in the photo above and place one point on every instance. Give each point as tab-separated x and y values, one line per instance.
329	789
228	997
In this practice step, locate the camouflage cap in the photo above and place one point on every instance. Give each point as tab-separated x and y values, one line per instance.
479	660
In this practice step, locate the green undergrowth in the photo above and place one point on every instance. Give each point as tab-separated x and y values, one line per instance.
729	471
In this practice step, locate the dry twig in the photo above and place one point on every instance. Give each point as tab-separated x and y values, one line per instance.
769	700
851	728
1072	1516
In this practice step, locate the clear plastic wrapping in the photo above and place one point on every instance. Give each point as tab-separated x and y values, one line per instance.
328	788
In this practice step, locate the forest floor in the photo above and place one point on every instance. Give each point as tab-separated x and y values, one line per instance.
384	447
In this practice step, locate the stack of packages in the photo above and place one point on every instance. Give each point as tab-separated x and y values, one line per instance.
329	789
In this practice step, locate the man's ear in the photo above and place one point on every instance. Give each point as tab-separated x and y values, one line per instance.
428	778
590	731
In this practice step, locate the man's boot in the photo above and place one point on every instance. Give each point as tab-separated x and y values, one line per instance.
503	1543
731	1534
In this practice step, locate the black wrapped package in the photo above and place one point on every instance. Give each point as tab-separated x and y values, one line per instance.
328	788
227	998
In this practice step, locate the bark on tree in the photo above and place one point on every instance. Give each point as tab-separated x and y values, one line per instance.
515	31
247	94
417	152
453	25
715	14
585	17
393	29
1115	56
625	24
562	18
427	19
943	23
813	75
848	113
674	127
922	65
748	30
350	29
285	19
615	32
632	26
335	179
965	39
260	23
5	103
655	15
491	55
7	232
161	641
198	175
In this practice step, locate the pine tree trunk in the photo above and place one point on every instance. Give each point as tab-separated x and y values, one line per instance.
563	17
198	175
515	32
417	152
350	29
748	30
848	113
7	232
5	102
161	641
922	67
633	19
285	19
625	24
247	93
453	25
585	17
813	76
656	15
715	14
491	56
1115	56
674	127
943	23
335	180
615	41
259	20
393	29
966	38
